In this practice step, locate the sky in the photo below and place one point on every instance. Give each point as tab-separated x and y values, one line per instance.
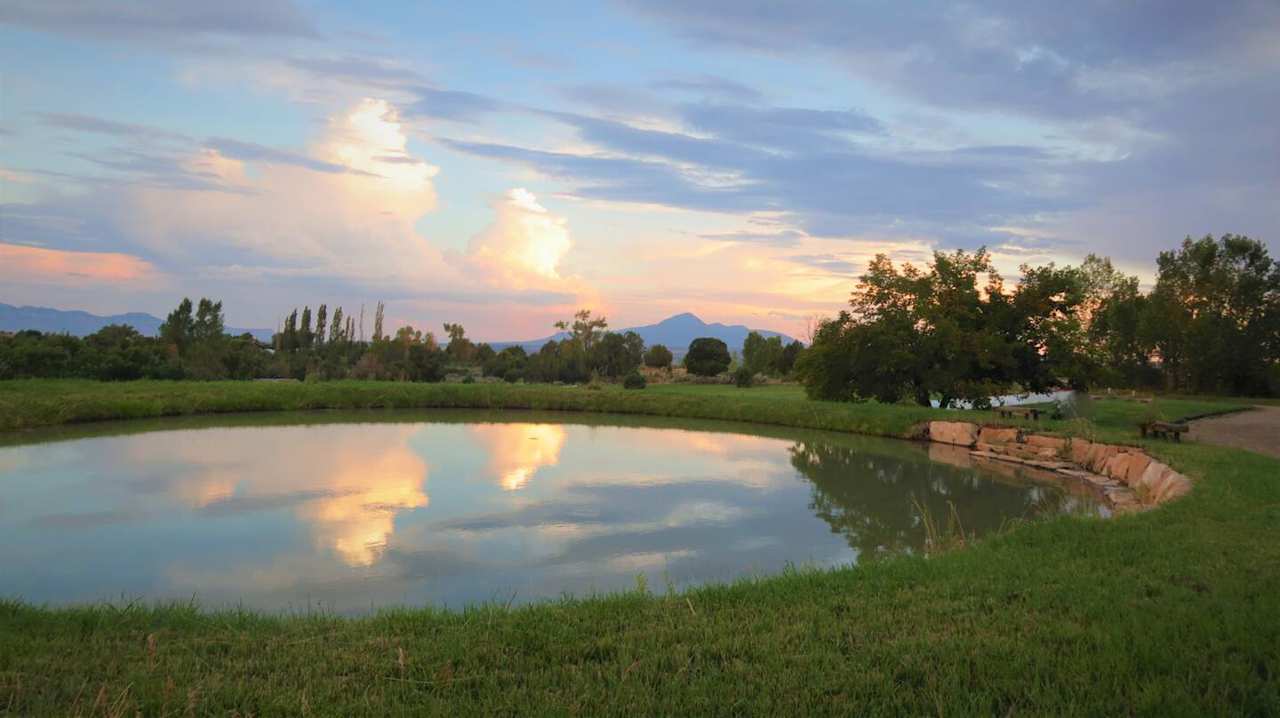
504	164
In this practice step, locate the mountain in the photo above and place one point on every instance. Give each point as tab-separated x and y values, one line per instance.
674	332
77	323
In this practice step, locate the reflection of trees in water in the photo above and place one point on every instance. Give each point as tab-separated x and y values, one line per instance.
869	497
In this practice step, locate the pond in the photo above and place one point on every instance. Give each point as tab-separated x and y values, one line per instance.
352	512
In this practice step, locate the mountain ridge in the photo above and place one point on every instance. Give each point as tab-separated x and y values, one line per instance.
81	323
675	332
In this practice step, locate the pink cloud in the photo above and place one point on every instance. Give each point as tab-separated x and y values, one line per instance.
22	263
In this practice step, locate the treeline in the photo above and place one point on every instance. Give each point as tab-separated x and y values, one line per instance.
319	346
953	331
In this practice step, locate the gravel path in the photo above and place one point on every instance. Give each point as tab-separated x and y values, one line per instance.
1256	430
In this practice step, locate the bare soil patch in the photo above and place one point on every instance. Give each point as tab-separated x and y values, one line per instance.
1256	430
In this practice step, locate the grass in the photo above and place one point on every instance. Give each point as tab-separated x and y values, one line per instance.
1170	612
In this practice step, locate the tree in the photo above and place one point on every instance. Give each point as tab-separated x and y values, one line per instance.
305	335
761	355
176	329
952	332
616	355
658	357
583	328
337	328
321	316
1214	315
377	322
707	356
460	348
787	360
508	364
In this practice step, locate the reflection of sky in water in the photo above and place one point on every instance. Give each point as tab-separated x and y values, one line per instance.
359	515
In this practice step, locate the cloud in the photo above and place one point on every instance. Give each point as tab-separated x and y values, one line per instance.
781	238
88	123
451	104
253	152
524	240
710	86
121	19
20	263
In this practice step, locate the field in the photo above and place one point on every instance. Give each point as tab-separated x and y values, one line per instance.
1170	612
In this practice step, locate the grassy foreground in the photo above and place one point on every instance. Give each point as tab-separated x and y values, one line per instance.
1171	612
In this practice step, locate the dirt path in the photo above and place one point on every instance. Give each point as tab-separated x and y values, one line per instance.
1256	430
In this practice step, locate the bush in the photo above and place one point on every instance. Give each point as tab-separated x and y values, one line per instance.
743	378
707	356
634	380
658	357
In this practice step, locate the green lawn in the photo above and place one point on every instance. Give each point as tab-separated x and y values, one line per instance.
1170	612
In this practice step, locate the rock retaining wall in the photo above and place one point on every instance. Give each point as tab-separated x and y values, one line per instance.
1125	476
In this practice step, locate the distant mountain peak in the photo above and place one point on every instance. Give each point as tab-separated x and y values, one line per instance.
682	317
675	332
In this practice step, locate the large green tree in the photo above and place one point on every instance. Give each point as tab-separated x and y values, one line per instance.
1214	316
949	331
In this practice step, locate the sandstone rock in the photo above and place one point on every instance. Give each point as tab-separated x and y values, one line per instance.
958	433
1079	451
1115	465
1053	443
996	435
1138	463
1099	454
1151	477
1172	486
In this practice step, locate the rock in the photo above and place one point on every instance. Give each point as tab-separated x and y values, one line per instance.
1115	465
958	433
1099	454
996	435
1138	463
1078	450
1151	477
1170	486
1056	445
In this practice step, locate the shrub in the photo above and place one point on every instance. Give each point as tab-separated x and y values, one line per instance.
707	356
658	357
634	381
743	377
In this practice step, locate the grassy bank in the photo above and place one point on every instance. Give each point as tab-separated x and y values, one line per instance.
1175	611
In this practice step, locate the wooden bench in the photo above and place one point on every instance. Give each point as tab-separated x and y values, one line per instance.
1163	430
1018	412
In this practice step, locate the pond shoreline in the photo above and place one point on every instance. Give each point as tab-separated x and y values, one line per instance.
1175	611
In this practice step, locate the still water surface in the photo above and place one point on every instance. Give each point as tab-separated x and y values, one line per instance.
353	512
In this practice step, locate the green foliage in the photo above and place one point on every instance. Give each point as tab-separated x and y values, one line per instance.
790	354
508	362
743	378
616	355
1214	315
634	380
658	357
707	356
761	355
951	331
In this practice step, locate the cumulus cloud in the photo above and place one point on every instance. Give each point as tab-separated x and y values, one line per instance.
524	239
